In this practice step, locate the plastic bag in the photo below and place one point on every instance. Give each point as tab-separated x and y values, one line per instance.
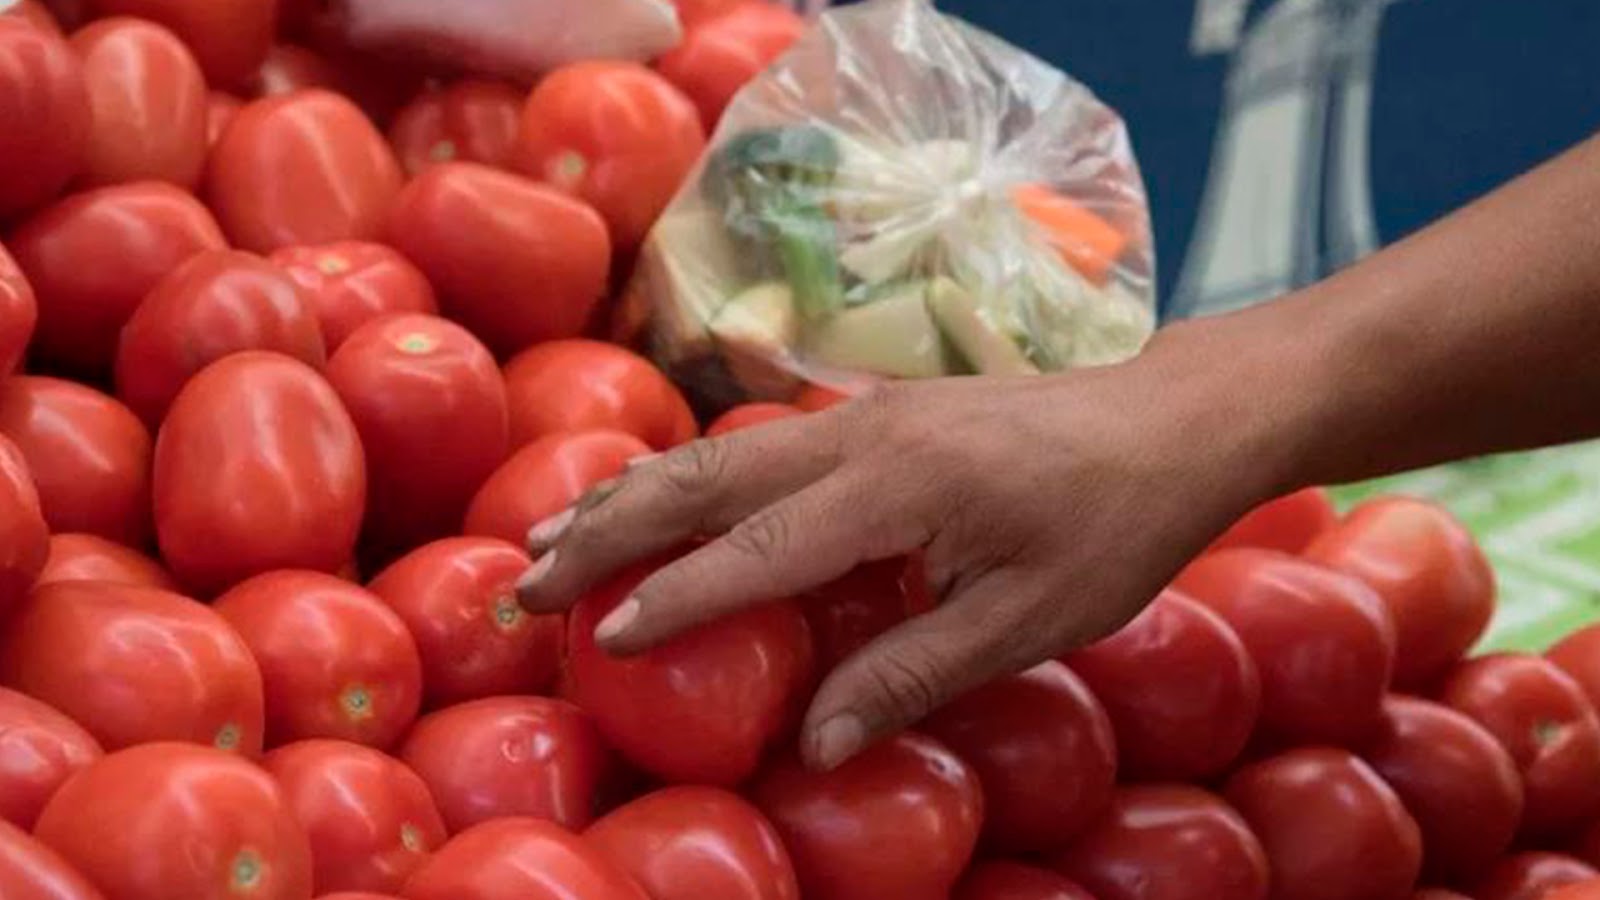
900	196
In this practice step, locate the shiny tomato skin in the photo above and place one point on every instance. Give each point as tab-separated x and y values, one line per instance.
1532	875
229	38
1429	572
1578	654
89	557
257	467
148	98
19	314
582	385
44	102
335	661
24	537
217	303
166	820
751	415
849	612
1289	524
93	256
482	236
31	871
40	748
1543	719
472	120
89	456
370	819
722	55
304	168
546	477
898	822
221	107
519	859
352	282
457	598
1181	689
999	880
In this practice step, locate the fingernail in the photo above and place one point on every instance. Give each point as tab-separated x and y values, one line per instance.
536	573
638	461
620	620
838	739
550	530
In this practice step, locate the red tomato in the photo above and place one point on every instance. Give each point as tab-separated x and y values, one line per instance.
45	105
216	304
89	557
40	749
228	37
1181	689
371	820
174	820
1043	751
700	709
31	871
1323	642
351	283
722	55
615	134
848	613
19	314
148	98
89	456
482	236
24	538
816	398
510	756
430	405
898	822
1541	716
1428	570
457	598
36	13
257	467
92	258
546	477
1578	654
519	859
470	120
1532	876
582	385
368	895
1578	890
1331	828
1015	881
335	661
1288	523
696	843
751	415
305	168
221	107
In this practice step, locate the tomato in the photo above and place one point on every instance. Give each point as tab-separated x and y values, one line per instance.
546	477
430	405
581	385
31	871
615	134
148	98
693	12
257	467
1578	654
19	314
228	37
816	398
24	538
702	708
353	282
1180	687
470	120
1428	570
368	895
40	749
92	258
457	598
218	303
482	236
304	168
1015	881
751	415
1532	876
1290	523
371	820
1541	716
720	56
1578	890
1331	828
519	859
898	822
36	13
89	456
221	107
175	820
849	612
45	104
1323	642
89	557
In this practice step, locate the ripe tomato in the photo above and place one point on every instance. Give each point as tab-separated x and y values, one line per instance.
1541	716
581	385
31	871
175	820
1043	751
1015	881
1289	523
1532	876
1429	572
510	756
40	749
428	401
19	314
221	107
1323	642
1578	890
92	258
352	282
482	236
89	456
1331	828
519	859
897	822
305	168
257	467
148	98
335	661
457	598
217	303
35	12
1578	654
1181	689
24	538
751	415
228	37
720	56
546	477
89	557
371	820
470	120
700	709
849	612
45	105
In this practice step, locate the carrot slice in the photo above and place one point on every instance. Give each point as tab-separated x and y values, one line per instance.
1088	243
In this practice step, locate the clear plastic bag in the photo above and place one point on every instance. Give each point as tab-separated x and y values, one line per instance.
901	196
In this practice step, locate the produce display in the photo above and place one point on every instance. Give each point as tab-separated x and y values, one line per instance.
305	321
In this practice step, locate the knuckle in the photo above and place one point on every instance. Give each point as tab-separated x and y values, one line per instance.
909	682
764	536
695	468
